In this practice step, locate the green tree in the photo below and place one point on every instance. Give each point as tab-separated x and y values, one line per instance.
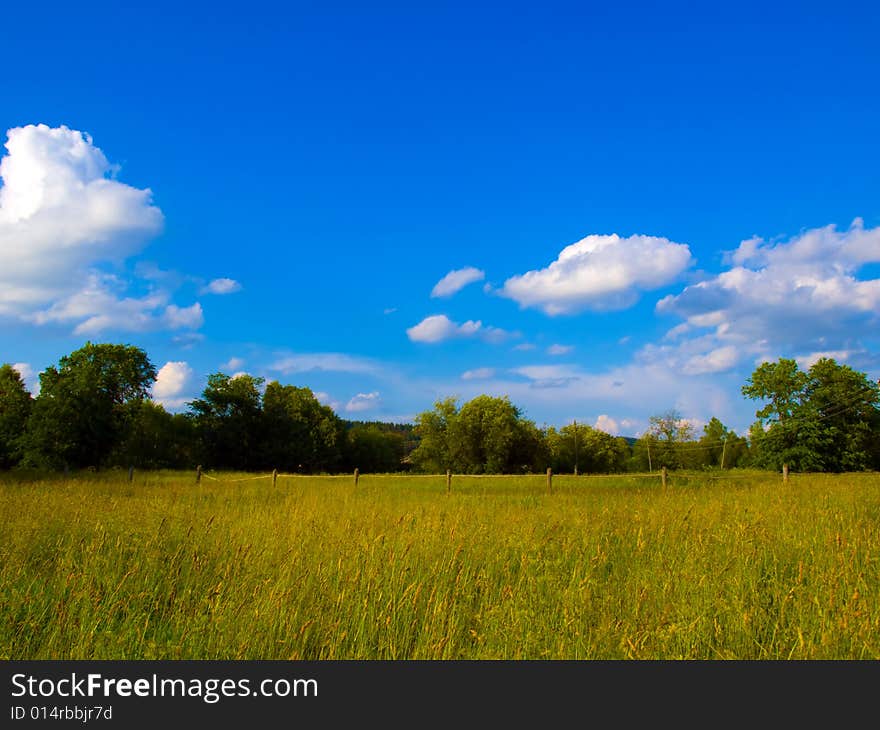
155	439
825	419
433	454
228	422
82	411
587	448
670	432
299	432
15	407
373	450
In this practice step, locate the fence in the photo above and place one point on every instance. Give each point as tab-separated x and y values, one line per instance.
662	474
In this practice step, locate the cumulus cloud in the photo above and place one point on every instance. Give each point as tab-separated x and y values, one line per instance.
456	280
64	215
607	424
363	402
221	286
172	382
29	376
438	328
797	297
600	273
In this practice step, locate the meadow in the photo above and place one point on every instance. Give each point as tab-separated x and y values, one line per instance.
96	567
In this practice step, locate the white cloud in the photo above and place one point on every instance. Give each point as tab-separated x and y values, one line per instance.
64	215
221	286
524	347
327	400
607	424
438	328
233	364
61	212
326	361
363	402
559	349
456	280
796	297
29	376
600	273
172	381
478	374
807	361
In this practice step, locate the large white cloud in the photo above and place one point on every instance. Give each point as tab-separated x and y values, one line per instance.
64	215
792	298
456	280
601	273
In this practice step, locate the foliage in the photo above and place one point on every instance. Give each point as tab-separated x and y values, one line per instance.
585	450
83	409
15	407
825	419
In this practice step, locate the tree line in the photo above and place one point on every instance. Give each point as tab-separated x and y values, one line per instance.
94	410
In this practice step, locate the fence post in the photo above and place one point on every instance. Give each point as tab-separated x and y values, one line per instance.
130	473
663	477
448	481
785	473
549	480
274	476
199	474
356	476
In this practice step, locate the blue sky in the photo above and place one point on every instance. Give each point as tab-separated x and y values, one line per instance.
634	203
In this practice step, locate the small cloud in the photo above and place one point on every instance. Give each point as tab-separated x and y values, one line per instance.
478	374
233	364
807	361
438	328
221	286
335	362
456	280
524	346
607	424
389	310
30	378
187	339
325	399
184	317
363	402
172	381
559	349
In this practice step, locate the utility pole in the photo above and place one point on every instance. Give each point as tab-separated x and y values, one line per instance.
575	424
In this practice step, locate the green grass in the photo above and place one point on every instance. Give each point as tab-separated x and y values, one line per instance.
96	568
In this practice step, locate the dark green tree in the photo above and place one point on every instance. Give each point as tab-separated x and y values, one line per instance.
15	407
228	422
300	433
83	409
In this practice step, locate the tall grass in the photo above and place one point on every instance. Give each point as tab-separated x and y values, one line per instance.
96	568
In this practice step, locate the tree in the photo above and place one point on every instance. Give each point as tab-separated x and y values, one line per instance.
720	447
15	407
670	431
228	421
825	419
591	450
155	439
487	435
433	454
299	432
81	413
374	450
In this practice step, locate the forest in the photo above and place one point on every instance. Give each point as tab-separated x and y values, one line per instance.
94	411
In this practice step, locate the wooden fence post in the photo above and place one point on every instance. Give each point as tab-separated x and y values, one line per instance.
448	481
274	476
549	480
357	475
663	477
130	473
199	474
785	473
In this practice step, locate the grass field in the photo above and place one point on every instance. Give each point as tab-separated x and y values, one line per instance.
94	567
